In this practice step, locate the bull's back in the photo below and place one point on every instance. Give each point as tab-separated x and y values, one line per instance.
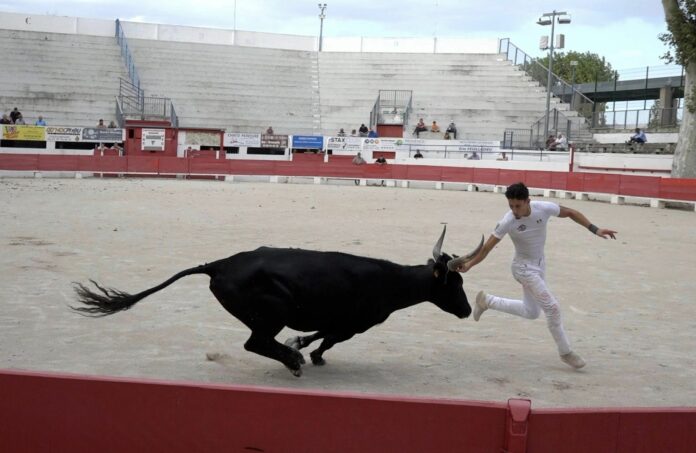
318	290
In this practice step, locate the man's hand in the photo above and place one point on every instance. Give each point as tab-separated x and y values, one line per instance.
463	268
606	233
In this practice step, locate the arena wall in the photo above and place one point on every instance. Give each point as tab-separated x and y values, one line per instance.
54	412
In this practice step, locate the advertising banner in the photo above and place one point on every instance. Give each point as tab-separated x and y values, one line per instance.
153	140
344	143
19	132
63	134
241	139
383	144
102	135
308	141
274	141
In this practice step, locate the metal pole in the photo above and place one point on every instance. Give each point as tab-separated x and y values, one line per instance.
548	82
322	8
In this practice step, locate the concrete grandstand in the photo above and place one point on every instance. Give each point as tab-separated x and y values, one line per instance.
245	81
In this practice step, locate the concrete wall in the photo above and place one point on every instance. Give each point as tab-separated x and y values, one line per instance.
57	24
182	33
657	137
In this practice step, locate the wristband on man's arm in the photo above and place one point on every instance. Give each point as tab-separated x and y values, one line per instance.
593	228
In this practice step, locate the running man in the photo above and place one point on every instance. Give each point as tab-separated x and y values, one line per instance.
526	224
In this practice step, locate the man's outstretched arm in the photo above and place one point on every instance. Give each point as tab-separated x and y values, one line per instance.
579	218
481	255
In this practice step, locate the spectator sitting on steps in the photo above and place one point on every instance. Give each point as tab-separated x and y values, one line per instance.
269	131
447	136
561	143
5	119
341	133
14	114
452	129
40	121
434	127
353	133
372	133
101	124
112	125
363	130
420	127
638	137
502	156
550	143
20	120
474	156
418	155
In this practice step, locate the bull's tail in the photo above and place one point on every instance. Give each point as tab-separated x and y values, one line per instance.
112	300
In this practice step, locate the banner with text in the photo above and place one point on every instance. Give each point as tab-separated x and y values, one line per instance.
153	140
102	135
308	141
274	141
241	139
344	143
19	132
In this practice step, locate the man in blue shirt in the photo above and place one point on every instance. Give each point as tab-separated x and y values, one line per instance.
638	137
372	133
40	121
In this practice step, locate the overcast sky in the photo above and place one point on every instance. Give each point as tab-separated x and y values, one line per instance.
623	31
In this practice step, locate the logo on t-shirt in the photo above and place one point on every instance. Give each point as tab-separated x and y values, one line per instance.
521	227
540	220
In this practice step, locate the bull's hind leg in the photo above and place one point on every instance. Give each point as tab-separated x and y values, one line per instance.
302	342
266	345
329	340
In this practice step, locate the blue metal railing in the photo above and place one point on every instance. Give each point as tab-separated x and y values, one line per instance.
126	54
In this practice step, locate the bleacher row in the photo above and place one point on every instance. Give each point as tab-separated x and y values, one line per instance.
74	79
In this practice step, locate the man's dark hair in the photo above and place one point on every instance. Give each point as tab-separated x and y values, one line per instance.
517	191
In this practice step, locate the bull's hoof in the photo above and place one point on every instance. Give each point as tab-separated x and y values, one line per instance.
317	359
297	372
293	342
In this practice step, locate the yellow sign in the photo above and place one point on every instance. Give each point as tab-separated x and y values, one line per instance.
33	133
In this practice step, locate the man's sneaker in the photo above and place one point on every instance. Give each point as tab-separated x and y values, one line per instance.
573	360
481	305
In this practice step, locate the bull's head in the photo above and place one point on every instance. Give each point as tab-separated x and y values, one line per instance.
448	293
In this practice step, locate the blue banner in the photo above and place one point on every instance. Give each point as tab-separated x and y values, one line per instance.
308	141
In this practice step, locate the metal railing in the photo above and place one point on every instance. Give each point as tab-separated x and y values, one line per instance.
564	91
653	118
392	107
126	54
533	138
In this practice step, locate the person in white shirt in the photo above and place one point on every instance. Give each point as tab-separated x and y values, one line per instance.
561	143
526	224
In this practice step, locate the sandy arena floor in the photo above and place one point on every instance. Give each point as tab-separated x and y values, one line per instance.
629	305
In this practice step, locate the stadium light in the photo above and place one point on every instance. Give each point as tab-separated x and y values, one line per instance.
550	19
322	15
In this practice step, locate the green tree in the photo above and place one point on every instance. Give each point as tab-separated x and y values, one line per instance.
590	65
681	23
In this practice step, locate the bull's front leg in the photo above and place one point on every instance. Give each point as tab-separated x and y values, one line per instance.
268	347
329	340
302	342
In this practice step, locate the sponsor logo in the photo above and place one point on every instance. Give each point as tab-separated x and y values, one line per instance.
522	228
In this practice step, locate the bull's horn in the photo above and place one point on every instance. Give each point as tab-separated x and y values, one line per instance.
437	250
453	264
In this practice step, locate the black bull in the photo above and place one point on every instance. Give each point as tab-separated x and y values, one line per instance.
333	294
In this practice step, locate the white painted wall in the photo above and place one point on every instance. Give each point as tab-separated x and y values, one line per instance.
182	33
57	24
657	137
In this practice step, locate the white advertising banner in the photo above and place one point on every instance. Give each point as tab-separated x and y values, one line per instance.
153	140
344	143
239	139
459	145
84	134
384	144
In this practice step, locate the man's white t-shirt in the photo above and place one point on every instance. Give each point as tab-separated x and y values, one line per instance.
528	234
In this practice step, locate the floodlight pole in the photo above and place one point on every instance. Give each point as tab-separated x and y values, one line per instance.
322	15
553	16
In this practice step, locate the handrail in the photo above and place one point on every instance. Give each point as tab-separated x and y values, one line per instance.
126	54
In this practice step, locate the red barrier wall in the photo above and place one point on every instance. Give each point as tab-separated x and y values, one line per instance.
314	165
46	412
55	412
